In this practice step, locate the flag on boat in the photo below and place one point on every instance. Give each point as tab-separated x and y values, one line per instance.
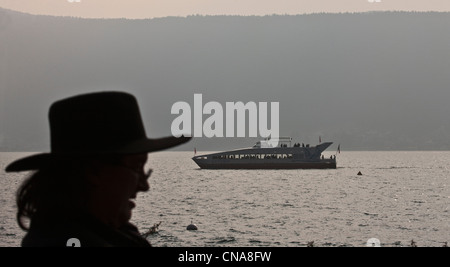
320	139
339	149
195	151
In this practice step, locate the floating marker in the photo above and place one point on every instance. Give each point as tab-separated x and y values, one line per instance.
192	227
359	173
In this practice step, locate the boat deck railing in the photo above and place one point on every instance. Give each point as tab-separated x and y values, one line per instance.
265	157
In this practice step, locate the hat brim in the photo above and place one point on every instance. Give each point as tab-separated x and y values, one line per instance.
35	162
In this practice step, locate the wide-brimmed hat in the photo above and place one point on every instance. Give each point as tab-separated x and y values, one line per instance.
95	124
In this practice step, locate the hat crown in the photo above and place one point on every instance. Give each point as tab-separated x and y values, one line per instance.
95	123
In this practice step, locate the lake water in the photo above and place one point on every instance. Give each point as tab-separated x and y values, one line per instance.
401	196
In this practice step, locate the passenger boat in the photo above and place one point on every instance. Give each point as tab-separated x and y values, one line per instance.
263	155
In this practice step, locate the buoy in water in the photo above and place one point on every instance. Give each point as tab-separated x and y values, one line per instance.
192	227
359	173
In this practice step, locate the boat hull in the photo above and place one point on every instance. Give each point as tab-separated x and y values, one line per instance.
330	164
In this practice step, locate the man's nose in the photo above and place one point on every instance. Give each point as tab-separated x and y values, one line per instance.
143	185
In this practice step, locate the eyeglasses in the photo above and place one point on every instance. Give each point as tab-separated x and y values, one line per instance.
143	174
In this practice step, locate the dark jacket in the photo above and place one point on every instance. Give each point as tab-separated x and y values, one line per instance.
88	231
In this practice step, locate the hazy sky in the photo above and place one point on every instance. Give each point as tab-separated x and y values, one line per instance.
163	8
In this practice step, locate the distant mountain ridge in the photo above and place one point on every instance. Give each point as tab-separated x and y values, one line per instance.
376	81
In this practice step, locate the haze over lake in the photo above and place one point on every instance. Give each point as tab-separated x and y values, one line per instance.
369	81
